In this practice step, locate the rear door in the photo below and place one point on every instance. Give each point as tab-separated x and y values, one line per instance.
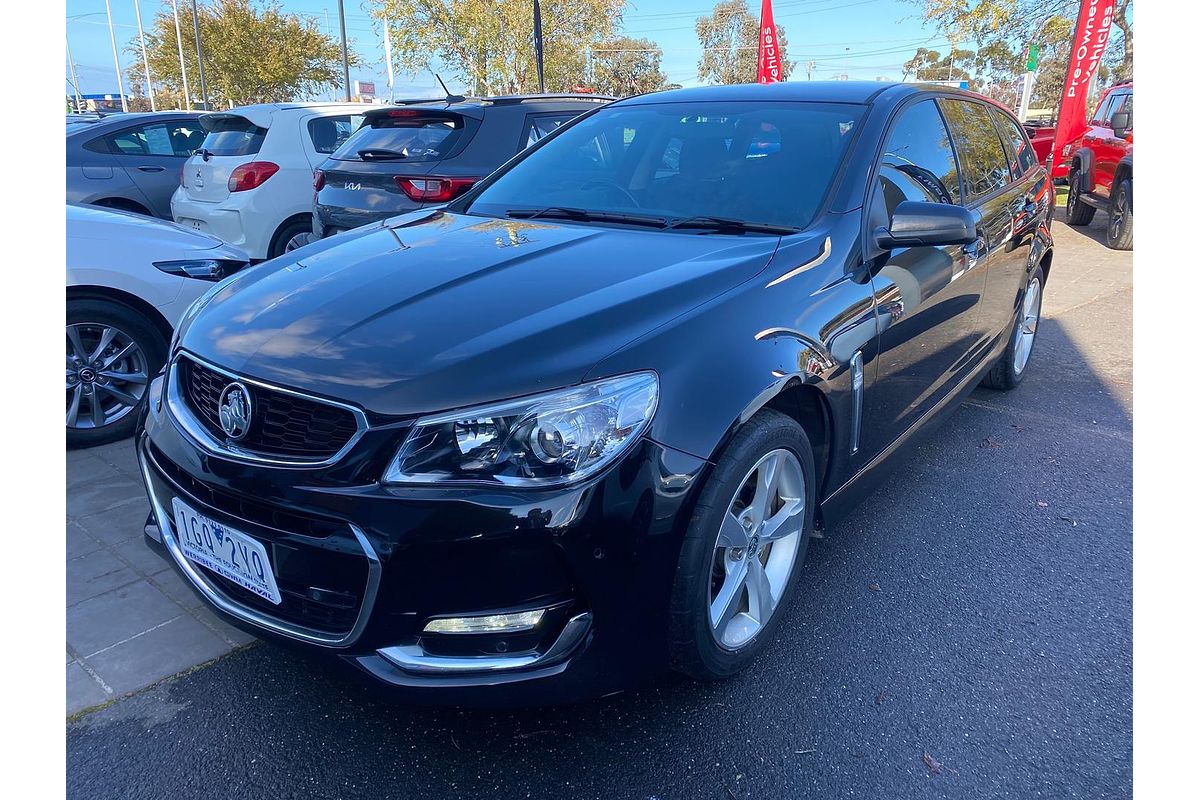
230	141
152	154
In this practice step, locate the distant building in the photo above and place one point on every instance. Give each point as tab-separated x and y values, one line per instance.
98	102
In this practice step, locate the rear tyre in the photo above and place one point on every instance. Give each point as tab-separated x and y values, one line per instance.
285	236
112	353
1120	217
1010	370
744	548
1078	212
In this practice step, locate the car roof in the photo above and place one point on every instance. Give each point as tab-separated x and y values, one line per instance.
856	92
261	113
477	106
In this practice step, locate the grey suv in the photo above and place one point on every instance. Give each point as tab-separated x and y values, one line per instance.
429	152
130	162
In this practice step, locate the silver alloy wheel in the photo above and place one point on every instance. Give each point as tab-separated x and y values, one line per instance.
1031	311
1116	215
106	375
756	549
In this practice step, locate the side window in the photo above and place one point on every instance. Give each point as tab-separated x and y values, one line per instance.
1020	151
981	157
1102	111
161	139
918	162
186	137
328	133
1121	102
542	125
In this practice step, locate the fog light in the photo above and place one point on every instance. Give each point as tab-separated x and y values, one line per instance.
493	623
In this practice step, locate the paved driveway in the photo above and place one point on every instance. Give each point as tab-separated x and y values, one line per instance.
965	633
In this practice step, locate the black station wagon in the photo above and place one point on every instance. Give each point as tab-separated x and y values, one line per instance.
577	425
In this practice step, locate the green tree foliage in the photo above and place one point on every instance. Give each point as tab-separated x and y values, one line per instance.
488	44
1015	23
624	66
253	53
729	37
931	65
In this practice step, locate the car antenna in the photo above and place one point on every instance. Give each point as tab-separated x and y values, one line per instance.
450	98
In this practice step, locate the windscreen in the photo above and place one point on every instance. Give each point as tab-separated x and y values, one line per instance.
759	162
233	136
410	136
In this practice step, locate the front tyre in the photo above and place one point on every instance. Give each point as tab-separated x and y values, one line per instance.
112	352
1120	217
1078	212
1010	370
744	548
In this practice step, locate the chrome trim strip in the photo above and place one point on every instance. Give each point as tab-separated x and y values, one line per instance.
222	601
826	249
186	421
413	658
856	389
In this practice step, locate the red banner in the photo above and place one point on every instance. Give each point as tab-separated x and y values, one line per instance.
1091	35
770	68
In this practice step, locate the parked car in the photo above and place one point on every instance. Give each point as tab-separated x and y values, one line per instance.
1041	136
129	277
578	424
129	161
430	152
1101	168
250	184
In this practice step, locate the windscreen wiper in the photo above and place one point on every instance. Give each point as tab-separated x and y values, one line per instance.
584	215
730	225
381	154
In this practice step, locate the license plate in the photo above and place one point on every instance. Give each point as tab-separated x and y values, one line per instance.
231	554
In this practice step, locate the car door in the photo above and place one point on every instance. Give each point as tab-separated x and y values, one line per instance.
929	332
152	155
1108	148
1028	199
1095	137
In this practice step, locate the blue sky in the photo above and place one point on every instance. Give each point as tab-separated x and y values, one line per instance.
860	38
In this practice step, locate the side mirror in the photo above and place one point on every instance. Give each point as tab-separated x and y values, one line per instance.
1122	121
917	224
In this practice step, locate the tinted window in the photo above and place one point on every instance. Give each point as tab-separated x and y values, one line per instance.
411	137
234	136
330	133
1120	102
543	125
918	163
754	161
1020	153
1103	110
160	139
981	157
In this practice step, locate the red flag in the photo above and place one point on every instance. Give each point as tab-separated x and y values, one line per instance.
1091	35
770	68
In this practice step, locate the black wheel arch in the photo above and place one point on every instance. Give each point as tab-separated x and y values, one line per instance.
305	217
1082	162
130	301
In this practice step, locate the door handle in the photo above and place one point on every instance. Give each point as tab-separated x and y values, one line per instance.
971	253
150	168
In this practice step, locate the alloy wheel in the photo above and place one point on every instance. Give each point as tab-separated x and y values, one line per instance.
1116	216
756	549
107	375
1031	311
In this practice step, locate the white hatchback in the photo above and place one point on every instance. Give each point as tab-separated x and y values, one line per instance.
250	183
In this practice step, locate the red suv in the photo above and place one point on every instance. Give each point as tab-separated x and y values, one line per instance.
1101	174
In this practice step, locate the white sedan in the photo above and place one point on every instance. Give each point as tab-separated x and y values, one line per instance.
129	280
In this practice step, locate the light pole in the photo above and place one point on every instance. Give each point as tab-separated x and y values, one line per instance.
74	78
112	35
345	52
187	98
199	55
145	61
387	54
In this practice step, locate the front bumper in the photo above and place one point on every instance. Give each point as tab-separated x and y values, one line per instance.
599	557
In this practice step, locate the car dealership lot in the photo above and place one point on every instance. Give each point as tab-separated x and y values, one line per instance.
965	633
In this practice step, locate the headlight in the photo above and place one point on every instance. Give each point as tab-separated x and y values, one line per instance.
206	269
549	439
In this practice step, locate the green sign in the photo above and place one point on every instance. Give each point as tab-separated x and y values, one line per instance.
1031	64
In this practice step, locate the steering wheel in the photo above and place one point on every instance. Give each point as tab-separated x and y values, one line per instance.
611	184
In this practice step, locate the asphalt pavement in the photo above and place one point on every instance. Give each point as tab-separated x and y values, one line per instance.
966	633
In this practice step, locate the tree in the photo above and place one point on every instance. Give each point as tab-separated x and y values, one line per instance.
624	66
488	44
253	53
1016	23
931	65
730	41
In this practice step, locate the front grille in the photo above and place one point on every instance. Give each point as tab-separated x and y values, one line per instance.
282	424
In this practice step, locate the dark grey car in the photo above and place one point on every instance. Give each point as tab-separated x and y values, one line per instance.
130	162
429	152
